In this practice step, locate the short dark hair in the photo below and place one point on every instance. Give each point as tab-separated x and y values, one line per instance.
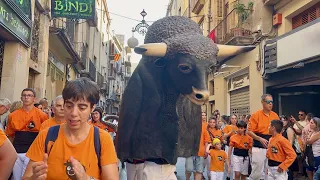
278	125
213	118
304	111
82	88
241	124
29	89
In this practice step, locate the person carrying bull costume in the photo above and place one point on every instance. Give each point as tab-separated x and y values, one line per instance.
160	115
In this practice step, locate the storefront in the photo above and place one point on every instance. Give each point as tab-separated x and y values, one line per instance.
291	73
15	37
239	94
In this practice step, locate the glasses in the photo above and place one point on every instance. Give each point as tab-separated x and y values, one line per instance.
269	101
300	114
27	95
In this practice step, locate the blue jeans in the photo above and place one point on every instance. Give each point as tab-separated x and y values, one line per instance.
195	164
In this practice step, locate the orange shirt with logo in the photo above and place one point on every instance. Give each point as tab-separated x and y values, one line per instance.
205	138
241	141
49	123
230	128
259	122
62	150
218	158
280	150
3	137
20	119
217	133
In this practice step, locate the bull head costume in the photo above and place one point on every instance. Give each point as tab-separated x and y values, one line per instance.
160	115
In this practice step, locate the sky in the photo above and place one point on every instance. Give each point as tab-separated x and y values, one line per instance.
155	9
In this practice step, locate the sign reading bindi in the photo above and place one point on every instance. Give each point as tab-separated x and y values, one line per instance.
75	9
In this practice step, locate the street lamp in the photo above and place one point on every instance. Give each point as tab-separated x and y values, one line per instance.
141	28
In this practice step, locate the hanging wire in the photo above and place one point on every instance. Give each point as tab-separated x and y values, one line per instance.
126	17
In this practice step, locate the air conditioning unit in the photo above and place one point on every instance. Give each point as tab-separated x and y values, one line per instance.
277	19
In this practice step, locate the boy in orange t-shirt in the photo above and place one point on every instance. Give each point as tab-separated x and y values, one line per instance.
218	159
240	145
280	153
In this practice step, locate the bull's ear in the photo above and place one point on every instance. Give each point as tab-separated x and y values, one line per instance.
227	50
152	49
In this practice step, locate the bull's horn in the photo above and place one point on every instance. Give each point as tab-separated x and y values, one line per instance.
152	49
226	50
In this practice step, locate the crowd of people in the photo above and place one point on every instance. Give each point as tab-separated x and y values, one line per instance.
71	139
42	142
258	146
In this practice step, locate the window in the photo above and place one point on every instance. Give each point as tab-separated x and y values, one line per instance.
307	16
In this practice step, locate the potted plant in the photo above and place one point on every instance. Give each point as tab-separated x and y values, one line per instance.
243	14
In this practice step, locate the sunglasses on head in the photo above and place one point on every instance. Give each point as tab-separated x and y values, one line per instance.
269	101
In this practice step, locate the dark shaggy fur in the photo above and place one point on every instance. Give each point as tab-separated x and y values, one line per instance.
157	120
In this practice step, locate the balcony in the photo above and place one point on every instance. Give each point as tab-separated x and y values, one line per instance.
81	49
100	80
61	40
271	2
127	63
111	74
92	71
235	29
293	49
197	5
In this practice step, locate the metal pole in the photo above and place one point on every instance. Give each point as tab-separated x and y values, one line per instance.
189	2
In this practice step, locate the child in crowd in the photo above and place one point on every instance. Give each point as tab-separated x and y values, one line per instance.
280	153
214	132
218	160
240	145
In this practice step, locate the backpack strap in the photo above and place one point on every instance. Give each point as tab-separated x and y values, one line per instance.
51	136
97	145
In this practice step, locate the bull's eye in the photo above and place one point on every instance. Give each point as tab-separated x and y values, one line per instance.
185	68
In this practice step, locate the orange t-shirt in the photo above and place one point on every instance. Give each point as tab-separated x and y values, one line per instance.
241	141
217	133
3	137
49	123
20	119
280	150
259	122
230	128
218	157
102	126
62	150
205	138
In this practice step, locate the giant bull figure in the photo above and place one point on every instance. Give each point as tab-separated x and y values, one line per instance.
160	115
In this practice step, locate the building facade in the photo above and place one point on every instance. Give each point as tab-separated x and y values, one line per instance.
283	63
43	52
292	59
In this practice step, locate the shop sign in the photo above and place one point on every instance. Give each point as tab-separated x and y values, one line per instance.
14	24
73	9
25	6
238	82
56	62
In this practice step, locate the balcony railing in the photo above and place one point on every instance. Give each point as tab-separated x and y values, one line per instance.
197	5
81	49
111	74
235	29
100	80
92	71
67	25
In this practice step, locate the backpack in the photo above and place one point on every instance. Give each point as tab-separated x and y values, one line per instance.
53	135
